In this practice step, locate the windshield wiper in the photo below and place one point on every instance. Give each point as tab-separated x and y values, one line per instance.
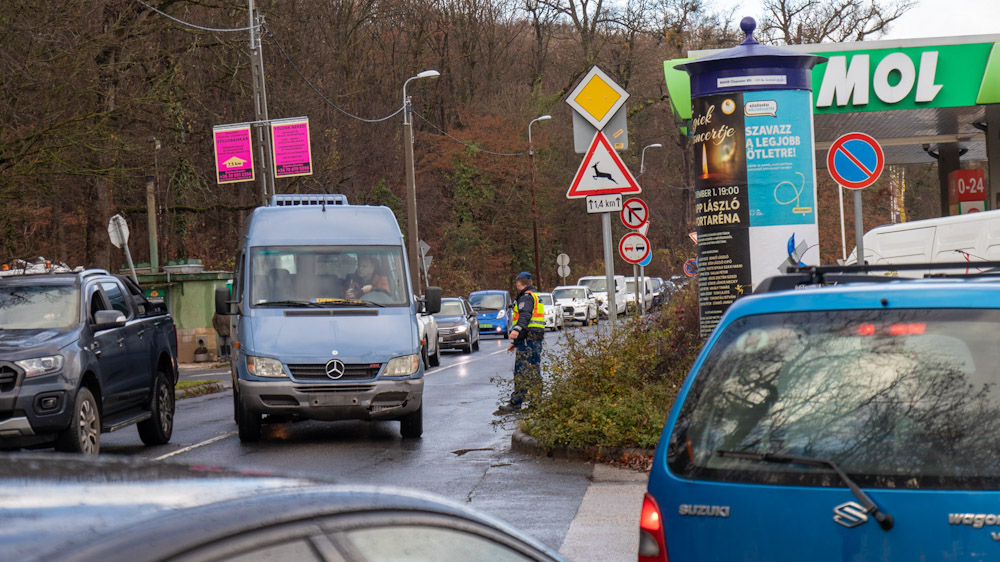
884	519
347	302
288	303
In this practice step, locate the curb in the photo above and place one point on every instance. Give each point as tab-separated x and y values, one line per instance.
521	442
199	391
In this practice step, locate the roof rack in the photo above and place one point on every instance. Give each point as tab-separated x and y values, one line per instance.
295	199
812	275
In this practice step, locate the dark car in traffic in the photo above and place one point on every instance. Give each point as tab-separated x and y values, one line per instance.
458	326
73	508
81	354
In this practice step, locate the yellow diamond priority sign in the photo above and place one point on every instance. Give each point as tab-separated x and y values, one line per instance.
597	98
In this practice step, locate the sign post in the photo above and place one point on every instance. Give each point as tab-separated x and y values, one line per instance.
118	232
602	173
635	215
562	260
855	161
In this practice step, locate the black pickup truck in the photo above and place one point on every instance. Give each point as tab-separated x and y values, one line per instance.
80	354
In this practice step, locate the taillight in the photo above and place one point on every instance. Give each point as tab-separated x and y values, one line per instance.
652	546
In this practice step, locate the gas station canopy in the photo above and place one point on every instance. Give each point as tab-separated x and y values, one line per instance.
914	96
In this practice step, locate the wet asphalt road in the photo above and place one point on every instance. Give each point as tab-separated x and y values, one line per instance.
464	454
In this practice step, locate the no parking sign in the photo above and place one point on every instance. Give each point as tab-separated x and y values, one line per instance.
855	160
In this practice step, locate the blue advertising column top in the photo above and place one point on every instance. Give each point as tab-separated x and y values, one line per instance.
750	66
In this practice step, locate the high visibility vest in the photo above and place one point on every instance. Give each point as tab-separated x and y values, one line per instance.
537	313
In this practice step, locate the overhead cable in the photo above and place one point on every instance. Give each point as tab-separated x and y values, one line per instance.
189	24
319	93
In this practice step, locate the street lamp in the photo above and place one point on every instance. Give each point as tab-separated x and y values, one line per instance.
411	188
534	212
642	161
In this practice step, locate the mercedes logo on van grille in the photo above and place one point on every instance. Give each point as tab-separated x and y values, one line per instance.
335	369
850	514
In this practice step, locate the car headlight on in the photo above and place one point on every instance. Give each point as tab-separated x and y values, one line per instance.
40	365
402	366
265	367
461	329
501	314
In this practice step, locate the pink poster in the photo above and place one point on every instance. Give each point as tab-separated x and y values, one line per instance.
292	156
233	153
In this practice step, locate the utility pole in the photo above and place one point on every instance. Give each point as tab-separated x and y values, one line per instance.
534	212
260	108
154	254
412	251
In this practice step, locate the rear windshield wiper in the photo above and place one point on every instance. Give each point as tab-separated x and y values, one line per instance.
884	519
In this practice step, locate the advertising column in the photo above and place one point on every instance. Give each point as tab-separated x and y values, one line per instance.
755	175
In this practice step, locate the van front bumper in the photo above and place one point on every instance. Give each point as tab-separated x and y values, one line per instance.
375	400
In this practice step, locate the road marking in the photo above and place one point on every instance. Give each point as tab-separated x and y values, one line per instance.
195	446
439	369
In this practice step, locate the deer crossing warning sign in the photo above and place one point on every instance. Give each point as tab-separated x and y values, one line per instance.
602	172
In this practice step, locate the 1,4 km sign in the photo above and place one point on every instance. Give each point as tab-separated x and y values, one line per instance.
855	160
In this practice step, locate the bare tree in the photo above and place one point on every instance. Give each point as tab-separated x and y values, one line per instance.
813	21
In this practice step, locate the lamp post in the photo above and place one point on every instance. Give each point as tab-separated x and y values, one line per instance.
411	188
534	212
640	288
642	161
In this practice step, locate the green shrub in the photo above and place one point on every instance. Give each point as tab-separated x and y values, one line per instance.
616	388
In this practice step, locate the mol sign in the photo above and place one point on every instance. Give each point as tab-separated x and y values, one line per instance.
941	76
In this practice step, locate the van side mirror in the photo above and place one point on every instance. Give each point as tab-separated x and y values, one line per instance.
222	302
432	301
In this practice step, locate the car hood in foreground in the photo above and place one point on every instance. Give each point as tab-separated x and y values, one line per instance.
69	508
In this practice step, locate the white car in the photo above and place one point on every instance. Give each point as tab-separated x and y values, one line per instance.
578	303
430	349
598	284
553	312
645	287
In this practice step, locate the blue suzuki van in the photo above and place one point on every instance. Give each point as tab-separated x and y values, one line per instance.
494	308
325	325
848	422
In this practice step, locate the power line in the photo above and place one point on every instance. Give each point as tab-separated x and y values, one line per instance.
319	93
182	22
467	144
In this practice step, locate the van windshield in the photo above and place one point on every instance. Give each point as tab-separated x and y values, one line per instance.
898	398
596	285
486	301
327	275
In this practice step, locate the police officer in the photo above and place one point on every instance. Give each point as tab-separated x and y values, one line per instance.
526	336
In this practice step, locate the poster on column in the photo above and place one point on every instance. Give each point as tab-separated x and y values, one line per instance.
292	156
721	207
781	181
233	153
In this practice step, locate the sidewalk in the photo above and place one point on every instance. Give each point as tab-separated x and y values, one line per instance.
606	527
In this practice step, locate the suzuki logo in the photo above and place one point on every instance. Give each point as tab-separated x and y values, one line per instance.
335	369
850	514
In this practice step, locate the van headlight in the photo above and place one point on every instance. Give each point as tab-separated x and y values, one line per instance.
403	366
40	365
265	367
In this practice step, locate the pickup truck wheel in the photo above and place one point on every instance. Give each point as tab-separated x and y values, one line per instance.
158	429
249	423
84	432
411	426
436	358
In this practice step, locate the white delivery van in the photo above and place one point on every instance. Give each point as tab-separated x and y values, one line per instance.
598	284
973	237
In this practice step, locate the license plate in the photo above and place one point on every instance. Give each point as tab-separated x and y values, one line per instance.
486	326
333	399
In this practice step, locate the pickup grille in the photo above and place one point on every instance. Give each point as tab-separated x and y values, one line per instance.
8	378
317	372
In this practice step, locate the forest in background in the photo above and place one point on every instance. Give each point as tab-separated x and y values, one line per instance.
89	87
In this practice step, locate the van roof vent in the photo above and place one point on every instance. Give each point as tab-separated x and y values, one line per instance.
293	199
